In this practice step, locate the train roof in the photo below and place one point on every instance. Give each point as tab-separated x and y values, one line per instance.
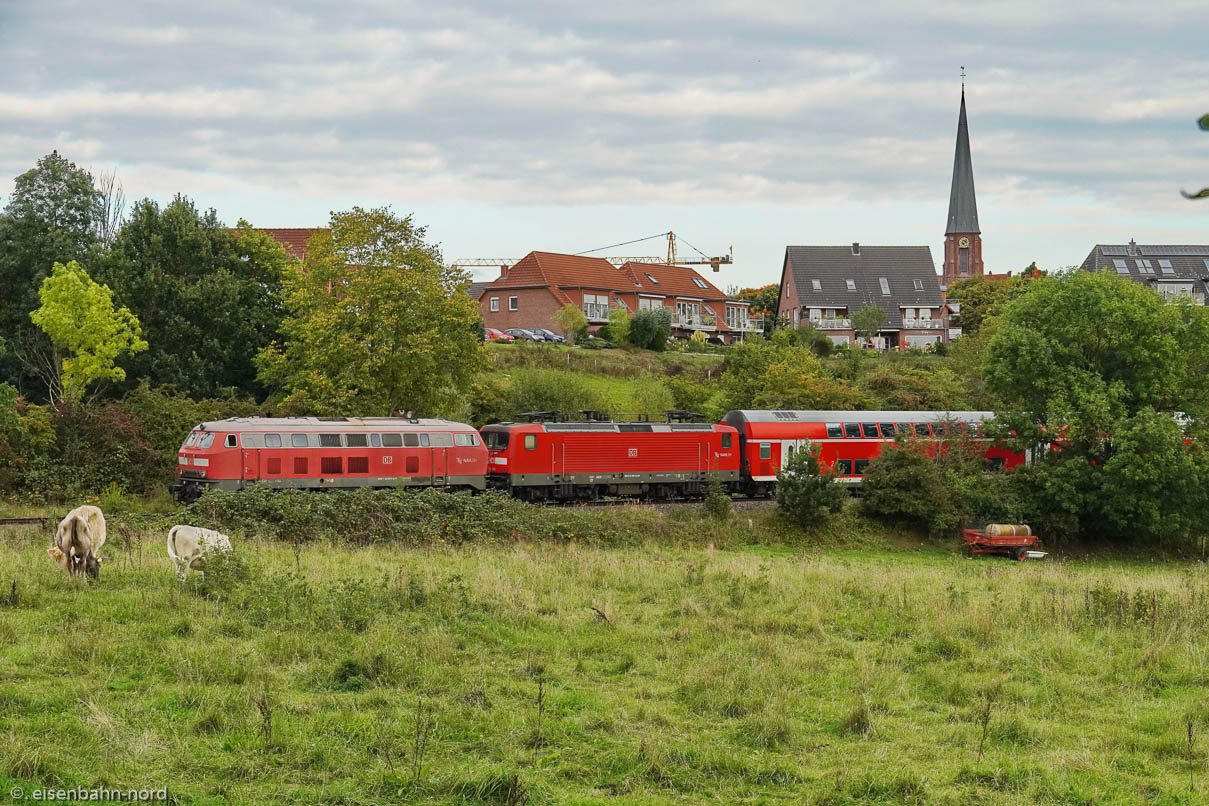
608	428
758	416
328	424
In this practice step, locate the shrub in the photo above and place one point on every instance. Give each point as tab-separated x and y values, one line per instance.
717	501
906	485
650	329
552	390
806	491
619	326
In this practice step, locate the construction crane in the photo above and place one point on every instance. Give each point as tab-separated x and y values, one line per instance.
672	259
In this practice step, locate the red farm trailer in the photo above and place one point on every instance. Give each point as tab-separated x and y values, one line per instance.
1009	540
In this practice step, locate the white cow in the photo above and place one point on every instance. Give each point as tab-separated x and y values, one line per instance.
189	545
78	541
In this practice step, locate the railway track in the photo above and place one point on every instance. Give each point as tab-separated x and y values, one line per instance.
23	521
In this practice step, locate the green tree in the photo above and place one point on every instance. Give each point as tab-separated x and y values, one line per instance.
375	323
796	380
650	329
573	322
807	492
894	386
979	297
868	321
87	332
906	485
208	298
743	370
619	326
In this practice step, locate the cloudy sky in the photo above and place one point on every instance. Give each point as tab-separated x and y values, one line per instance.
570	126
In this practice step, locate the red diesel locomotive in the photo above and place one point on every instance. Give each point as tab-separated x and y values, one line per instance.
847	440
590	460
329	452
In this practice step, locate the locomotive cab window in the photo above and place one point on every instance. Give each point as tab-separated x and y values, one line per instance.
496	440
192	438
423	440
765	450
852	431
411	440
921	430
870	430
530	442
355	440
232	441
726	440
272	440
835	430
206	441
392	440
298	440
329	441
462	440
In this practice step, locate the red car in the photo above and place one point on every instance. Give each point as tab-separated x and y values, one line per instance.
587	461
491	334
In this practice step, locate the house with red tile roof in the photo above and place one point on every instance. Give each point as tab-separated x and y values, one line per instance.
294	239
529	293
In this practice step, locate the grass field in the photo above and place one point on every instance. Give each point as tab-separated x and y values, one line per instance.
542	673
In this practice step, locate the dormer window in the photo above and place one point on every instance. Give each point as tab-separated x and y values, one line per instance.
852	285
652	279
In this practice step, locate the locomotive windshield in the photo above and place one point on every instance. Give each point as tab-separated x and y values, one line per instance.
496	440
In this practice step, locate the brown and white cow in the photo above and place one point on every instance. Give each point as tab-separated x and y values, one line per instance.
78	541
189	545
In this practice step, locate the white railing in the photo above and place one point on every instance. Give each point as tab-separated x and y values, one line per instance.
596	312
701	321
752	324
923	324
831	324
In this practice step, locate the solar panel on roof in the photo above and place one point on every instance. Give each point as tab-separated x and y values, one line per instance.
1114	250
1186	250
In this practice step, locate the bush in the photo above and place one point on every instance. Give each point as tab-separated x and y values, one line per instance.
906	485
553	390
808	493
717	501
650	329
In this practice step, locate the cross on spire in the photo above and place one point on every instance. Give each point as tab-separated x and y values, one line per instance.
963	78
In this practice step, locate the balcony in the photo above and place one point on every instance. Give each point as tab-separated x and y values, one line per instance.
923	324
831	324
752	324
596	312
703	321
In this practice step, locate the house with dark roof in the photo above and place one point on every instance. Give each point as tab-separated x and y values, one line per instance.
823	286
529	293
1172	271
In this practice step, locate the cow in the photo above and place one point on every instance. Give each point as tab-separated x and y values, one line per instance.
78	541
189	545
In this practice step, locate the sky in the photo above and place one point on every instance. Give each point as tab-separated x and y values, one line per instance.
566	127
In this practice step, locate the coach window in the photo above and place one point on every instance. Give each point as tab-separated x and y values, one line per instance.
298	440
888	430
726	440
870	430
861	466
329	441
423	440
835	430
903	428
765	450
843	467
206	441
356	440
921	430
852	431
375	440
232	441
392	441
994	464
272	440
411	440
530	442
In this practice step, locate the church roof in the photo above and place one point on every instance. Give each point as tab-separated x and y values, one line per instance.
963	208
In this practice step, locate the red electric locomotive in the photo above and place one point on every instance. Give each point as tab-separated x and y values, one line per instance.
329	452
848	440
589	460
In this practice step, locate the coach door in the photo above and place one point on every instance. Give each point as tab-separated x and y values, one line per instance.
251	465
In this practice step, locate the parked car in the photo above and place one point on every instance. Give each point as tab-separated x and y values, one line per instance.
550	335
524	335
491	334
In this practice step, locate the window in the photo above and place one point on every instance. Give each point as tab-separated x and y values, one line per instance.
1122	267
495	303
530	442
192	438
903	428
298	440
596	306
816	314
331	465
274	466
816	285
925	313
496	440
765	450
1207	264
908	313
272	440
963	261
888	430
726	440
411	440
870	430
922	430
423	440
994	464
651	277
232	441
860	467
300	466
412	465
918	284
1145	266
834	431
843	467
462	440
512	303
392	440
852	285
1165	267
206	441
852	431
375	440
358	464
885	284
356	440
329	441
700	283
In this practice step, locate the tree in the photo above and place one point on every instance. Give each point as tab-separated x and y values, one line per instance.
375	323
208	298
764	302
979	297
900	387
868	321
796	380
905	485
619	326
650	329
78	316
573	321
807	492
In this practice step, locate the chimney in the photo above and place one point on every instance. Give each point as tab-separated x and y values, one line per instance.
856	248
1133	247
503	271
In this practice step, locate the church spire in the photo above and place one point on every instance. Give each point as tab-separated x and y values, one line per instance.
963	209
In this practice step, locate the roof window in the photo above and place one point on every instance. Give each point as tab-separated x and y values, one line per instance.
885	286
1145	266
700	283
652	278
919	284
817	285
852	285
1165	267
1122	268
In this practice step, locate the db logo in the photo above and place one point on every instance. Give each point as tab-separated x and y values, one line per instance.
386	460
633	453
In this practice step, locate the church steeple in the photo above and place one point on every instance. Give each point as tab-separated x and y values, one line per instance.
963	238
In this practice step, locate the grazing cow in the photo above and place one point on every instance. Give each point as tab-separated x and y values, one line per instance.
78	541
189	545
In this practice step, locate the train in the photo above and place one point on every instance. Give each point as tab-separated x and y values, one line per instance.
553	459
